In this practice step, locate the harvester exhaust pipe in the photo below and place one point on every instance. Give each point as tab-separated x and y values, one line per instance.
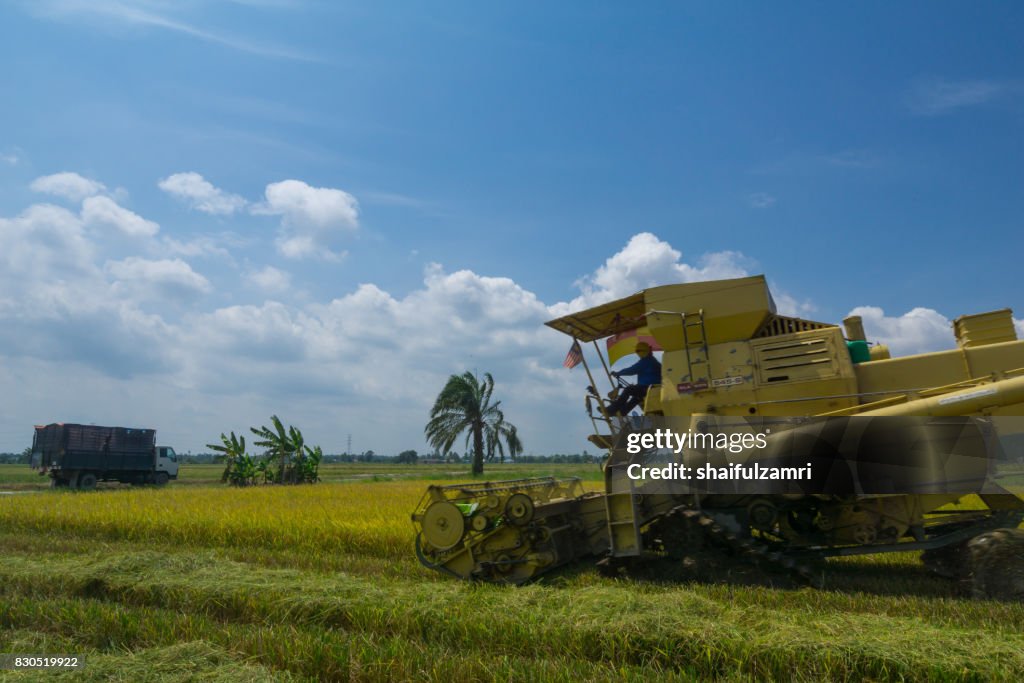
854	327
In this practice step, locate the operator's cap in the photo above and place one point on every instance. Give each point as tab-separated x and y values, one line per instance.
643	346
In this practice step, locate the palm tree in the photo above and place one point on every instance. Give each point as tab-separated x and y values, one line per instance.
500	435
464	405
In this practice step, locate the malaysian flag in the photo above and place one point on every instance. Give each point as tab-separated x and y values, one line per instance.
574	357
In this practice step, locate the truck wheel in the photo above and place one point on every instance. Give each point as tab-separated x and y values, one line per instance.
161	479
87	481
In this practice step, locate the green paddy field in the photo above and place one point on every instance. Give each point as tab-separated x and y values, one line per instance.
198	581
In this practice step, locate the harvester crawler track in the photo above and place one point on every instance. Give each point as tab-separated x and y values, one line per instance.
684	532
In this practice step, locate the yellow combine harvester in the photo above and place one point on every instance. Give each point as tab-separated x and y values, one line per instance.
730	362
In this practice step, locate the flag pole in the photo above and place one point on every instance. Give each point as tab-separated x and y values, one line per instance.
605	365
600	400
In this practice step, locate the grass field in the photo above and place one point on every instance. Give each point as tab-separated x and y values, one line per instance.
321	583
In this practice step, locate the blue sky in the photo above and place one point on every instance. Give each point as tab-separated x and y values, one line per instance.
215	211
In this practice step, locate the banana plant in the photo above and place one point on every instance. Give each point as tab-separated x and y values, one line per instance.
233	448
289	460
278	444
311	465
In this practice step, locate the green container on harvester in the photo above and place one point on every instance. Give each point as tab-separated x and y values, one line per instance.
859	351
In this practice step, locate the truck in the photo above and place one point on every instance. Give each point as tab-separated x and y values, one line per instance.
78	456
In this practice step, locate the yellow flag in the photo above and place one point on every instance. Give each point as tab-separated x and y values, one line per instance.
624	343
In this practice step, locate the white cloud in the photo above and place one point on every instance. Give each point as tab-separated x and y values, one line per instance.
9	158
270	279
162	279
311	217
1019	324
935	96
647	261
105	211
368	361
200	194
40	245
68	185
787	304
320	207
57	306
204	245
761	200
918	331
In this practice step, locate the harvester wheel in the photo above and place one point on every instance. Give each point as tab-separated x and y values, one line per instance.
443	525
519	509
997	565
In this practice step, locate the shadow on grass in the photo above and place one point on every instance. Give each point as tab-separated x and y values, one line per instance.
876	575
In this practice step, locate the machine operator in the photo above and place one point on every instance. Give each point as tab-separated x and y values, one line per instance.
647	371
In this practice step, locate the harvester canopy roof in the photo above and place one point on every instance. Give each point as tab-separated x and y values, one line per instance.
729	310
603	321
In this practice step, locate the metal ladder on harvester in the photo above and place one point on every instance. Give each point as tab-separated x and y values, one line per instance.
695	344
624	516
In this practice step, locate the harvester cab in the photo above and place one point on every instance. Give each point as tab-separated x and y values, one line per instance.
730	361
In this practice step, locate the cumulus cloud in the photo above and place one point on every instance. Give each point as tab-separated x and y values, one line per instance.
9	158
200	194
163	279
204	245
270	279
786	304
58	306
311	217
918	331
68	185
761	200
367	361
40	245
105	211
647	261
272	332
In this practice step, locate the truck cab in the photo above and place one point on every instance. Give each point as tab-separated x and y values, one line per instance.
166	462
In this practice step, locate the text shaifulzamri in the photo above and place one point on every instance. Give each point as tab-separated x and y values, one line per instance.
708	472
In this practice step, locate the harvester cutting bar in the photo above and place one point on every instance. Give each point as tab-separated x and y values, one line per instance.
508	531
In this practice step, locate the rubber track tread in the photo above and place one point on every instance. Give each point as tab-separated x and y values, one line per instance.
751	549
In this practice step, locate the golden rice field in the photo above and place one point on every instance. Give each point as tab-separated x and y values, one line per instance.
202	582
